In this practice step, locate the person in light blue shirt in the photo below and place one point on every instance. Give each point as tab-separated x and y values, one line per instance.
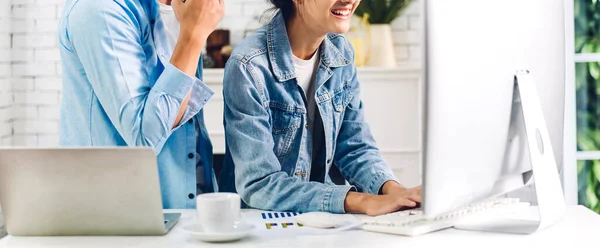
293	111
127	82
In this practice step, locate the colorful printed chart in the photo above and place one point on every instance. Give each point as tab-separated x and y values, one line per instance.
275	224
277	215
279	220
270	226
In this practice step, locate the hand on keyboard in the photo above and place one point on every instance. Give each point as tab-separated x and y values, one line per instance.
394	188
376	205
395	197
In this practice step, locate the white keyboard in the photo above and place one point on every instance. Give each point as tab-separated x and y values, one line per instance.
413	223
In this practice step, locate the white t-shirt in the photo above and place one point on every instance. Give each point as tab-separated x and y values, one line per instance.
171	24
172	27
305	76
306	71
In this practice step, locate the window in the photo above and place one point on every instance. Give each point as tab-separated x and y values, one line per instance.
587	81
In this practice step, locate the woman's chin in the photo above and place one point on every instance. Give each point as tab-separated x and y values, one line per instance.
340	29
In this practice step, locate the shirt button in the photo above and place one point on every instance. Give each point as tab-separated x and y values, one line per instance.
191	121
191	196
328	161
152	21
306	125
190	155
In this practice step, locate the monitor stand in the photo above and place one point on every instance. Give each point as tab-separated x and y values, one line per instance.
547	185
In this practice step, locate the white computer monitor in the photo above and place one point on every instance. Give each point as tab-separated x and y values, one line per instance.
474	142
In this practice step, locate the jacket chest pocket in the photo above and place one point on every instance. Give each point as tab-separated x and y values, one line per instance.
340	100
285	126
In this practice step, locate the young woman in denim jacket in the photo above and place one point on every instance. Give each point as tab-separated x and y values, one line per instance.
293	110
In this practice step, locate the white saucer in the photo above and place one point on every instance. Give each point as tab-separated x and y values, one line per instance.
240	231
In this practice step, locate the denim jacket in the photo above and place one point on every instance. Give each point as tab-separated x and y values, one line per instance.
267	158
119	89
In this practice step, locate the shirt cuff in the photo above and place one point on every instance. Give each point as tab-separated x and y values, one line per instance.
334	199
178	84
201	94
379	180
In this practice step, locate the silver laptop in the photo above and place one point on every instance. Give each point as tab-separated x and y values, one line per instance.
82	192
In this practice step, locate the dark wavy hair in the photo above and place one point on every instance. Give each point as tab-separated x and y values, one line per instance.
287	8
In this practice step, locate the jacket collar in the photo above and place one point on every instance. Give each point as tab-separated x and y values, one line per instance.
280	50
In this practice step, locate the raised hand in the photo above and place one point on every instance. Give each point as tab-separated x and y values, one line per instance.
198	18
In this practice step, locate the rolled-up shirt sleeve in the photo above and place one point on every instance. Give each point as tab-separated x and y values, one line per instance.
108	43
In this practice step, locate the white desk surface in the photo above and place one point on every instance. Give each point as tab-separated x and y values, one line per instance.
580	228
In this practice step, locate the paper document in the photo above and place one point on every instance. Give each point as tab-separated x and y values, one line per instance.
277	224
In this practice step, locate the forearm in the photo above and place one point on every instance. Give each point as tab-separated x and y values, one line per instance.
186	57
146	121
280	192
187	52
355	202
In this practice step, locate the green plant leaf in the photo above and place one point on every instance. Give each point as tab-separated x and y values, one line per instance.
362	9
594	135
592	199
579	43
581	74
589	47
591	181
596	171
395	10
379	7
597	193
381	11
585	142
581	195
582	176
594	70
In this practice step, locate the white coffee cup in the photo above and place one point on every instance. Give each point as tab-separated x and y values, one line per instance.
218	212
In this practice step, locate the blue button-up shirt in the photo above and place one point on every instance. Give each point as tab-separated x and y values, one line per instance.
119	89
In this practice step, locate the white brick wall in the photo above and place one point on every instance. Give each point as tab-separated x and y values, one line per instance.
36	79
5	85
31	96
407	36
